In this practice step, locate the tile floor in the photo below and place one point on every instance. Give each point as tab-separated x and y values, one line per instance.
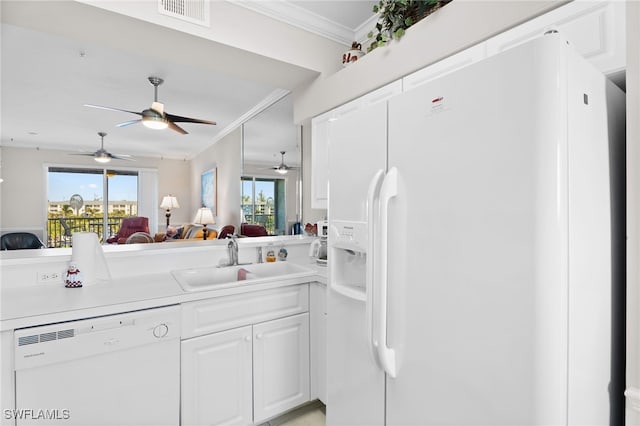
312	414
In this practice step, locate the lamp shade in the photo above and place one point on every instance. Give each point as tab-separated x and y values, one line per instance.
204	216
169	202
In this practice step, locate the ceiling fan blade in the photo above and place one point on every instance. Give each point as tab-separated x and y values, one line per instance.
88	154
112	109
180	119
128	123
121	157
175	127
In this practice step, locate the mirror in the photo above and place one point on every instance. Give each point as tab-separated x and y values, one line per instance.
271	173
265	135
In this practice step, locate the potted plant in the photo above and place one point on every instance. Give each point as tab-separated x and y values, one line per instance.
395	16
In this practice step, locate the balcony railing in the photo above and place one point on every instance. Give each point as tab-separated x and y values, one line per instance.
60	229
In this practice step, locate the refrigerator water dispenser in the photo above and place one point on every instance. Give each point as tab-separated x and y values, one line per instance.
348	254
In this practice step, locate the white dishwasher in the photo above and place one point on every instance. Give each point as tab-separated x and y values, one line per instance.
113	370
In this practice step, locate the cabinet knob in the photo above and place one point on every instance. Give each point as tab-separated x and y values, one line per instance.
247	338
259	336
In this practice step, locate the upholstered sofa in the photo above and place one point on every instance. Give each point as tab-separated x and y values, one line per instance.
188	231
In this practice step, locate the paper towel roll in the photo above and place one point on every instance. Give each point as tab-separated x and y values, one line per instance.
87	255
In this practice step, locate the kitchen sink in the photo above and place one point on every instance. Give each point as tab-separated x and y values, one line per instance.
211	277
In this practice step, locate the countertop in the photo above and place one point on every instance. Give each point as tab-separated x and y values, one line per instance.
46	304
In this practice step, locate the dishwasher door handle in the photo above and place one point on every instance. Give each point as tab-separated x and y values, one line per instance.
109	325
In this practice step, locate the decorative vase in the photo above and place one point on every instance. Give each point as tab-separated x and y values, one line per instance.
352	54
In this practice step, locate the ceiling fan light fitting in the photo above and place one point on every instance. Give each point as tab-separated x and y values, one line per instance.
282	171
102	158
157	123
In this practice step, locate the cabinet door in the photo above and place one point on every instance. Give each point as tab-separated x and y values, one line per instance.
318	331
596	29
216	379
225	313
320	160
321	138
280	365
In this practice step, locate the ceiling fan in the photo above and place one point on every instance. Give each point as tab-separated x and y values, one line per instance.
102	156
155	117
282	168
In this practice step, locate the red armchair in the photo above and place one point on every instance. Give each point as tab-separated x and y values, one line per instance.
226	230
250	230
128	227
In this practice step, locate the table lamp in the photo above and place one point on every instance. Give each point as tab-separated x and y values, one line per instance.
169	202
204	216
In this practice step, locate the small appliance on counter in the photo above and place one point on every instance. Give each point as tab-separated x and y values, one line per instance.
318	248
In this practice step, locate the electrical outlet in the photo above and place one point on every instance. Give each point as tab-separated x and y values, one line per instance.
49	277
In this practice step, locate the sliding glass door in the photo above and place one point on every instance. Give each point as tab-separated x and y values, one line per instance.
263	203
88	200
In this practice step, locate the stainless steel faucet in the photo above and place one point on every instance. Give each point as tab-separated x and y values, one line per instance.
233	250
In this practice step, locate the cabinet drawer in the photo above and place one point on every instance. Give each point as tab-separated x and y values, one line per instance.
227	312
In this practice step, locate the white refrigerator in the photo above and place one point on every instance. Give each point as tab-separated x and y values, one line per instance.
476	237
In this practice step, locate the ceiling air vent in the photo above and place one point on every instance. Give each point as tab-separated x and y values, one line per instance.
194	11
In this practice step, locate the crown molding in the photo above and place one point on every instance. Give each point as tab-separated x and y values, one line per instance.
363	30
302	18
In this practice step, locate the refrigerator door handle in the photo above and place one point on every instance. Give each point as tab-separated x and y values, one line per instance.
386	355
373	211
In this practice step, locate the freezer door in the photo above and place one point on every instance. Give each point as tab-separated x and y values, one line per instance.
357	150
477	256
355	383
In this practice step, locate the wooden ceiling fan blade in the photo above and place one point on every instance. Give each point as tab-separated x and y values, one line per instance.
175	127
180	119
88	154
128	123
112	109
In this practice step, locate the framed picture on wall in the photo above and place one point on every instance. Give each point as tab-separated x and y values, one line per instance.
208	189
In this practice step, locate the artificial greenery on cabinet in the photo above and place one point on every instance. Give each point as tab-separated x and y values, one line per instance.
395	16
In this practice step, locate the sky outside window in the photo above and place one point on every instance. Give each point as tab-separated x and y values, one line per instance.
62	185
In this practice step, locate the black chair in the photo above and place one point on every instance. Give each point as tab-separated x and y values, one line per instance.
20	241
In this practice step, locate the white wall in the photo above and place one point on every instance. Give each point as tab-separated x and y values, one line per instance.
23	196
225	156
633	207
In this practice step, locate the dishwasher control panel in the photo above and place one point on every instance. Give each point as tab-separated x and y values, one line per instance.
42	345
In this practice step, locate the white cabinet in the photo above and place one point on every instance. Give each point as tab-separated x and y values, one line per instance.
217	378
321	137
7	383
280	365
245	357
224	313
318	327
596	29
320	160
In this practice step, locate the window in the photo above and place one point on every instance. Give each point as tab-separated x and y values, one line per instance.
263	203
89	200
